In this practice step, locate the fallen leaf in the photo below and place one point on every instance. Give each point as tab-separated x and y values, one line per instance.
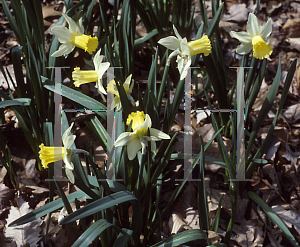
24	234
289	217
294	43
237	12
178	224
290	155
273	6
292	114
5	193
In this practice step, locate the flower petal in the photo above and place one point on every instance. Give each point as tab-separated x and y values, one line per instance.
73	27
159	134
97	59
153	147
68	163
133	147
62	33
253	26
184	47
123	139
176	33
244	48
101	69
170	42
80	26
100	86
183	70
144	145
63	50
126	84
266	30
146	124
243	37
67	139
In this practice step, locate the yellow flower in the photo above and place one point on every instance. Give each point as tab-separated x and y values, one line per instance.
138	139
52	154
137	119
112	88
202	45
255	38
86	76
73	37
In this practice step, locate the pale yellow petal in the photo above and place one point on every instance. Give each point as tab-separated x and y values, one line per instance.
133	147
243	37
253	26
62	33
123	139
170	42
159	134
63	50
266	30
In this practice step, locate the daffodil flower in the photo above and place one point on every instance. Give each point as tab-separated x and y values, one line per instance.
52	154
112	88
183	50
86	76
73	37
255	38
139	138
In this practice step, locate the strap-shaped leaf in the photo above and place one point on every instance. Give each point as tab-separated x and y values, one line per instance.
266	142
265	108
98	205
91	233
274	218
78	97
123	238
107	202
215	21
181	238
20	101
49	207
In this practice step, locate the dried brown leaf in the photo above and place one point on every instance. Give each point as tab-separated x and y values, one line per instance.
24	234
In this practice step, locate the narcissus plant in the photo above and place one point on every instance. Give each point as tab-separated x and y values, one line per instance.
74	36
52	154
112	88
138	139
86	76
255	38
183	50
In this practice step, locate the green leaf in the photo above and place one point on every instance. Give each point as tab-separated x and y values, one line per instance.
98	131
49	207
19	101
201	197
215	224
78	97
181	238
11	20
91	233
215	21
123	238
146	37
265	108
98	205
274	218
266	142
